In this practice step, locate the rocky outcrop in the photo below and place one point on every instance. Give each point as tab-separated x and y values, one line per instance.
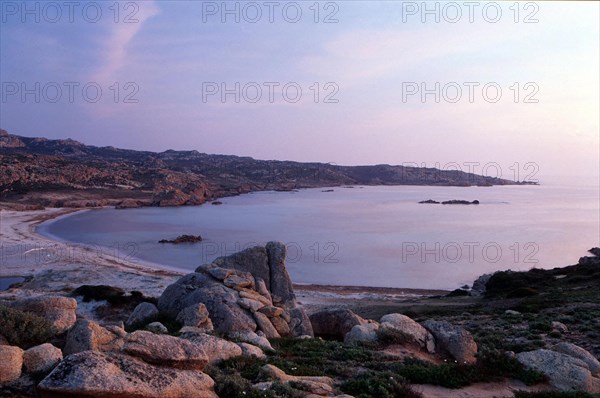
249	350
93	374
563	371
478	289
58	310
334	323
142	315
183	239
413	332
42	358
11	363
453	340
165	350
249	291
88	335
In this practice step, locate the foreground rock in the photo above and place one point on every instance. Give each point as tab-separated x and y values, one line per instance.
413	332
165	350
334	323
564	372
453	340
11	363
216	348
42	358
575	351
94	374
58	310
320	386
142	315
88	335
362	334
249	291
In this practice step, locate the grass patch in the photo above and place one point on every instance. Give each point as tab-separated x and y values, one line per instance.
380	385
555	394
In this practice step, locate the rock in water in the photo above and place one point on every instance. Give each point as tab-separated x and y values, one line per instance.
94	374
453	340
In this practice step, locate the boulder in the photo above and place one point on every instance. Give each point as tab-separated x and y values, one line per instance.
11	363
321	386
93	374
234	287
165	350
453	340
334	323
222	302
253	260
216	348
559	327
564	372
42	358
362	334
579	353
88	335
254	339
195	315
249	350
281	326
58	310
414	332
300	324
157	328
142	315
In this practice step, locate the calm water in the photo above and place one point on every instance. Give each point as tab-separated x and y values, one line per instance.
371	236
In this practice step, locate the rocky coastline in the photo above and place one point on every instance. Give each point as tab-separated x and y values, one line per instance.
39	173
238	327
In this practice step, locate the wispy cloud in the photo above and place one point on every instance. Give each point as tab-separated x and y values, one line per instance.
114	48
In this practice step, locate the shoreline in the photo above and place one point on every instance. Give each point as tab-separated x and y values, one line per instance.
53	265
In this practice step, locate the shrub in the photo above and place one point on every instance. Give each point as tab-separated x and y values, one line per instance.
379	385
24	329
522	292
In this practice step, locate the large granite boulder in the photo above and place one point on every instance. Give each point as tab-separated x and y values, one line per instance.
334	323
58	310
88	335
11	363
196	316
575	351
564	372
453	340
362	334
142	315
246	292
165	350
413	332
42	358
93	374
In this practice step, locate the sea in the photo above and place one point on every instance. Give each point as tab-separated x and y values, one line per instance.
362	235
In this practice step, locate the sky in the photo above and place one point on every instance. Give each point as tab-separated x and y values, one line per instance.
503	89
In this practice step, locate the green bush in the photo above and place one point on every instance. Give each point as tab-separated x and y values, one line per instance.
379	385
24	329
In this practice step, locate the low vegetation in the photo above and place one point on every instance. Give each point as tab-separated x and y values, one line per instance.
24	329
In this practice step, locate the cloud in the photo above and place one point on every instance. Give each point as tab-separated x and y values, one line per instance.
114	53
